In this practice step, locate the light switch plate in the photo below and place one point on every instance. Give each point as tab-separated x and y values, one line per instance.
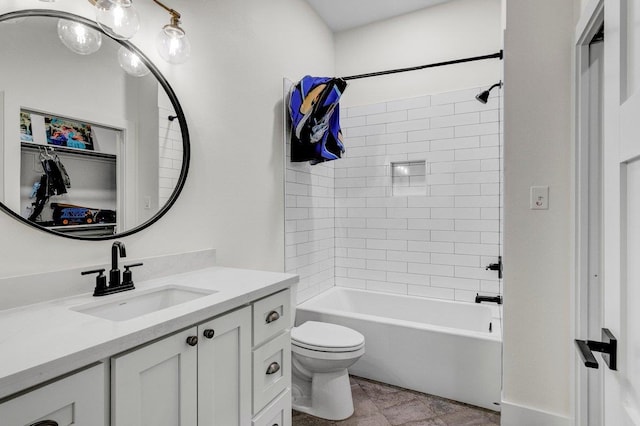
539	199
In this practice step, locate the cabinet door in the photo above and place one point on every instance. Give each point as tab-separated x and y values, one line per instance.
156	384
224	370
79	399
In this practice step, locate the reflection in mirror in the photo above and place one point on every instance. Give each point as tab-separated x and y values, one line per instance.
89	149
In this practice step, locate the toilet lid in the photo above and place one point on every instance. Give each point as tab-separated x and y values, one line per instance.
325	336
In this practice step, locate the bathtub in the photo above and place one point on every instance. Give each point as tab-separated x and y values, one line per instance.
449	349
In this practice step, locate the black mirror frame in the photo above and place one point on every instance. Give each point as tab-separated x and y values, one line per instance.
172	97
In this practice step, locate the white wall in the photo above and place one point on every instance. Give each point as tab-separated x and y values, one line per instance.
231	92
453	30
537	247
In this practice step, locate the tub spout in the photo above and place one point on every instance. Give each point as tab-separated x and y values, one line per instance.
494	299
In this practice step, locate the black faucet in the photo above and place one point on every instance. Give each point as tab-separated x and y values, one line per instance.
114	274
494	299
117	282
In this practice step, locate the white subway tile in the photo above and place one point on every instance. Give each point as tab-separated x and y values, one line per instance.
439	224
430	246
490	237
489	140
490	286
456	166
431	134
409	147
386	287
375	129
431	292
388	138
351	223
385	265
387	202
490	165
414	212
455	259
440	156
380	181
489	116
440	179
458	189
408	256
456	237
349	122
409	103
379	234
465	295
354	142
387	117
365	151
351	202
366	110
378	191
434	111
414	279
457	283
412	234
367	254
475	106
477	225
490	189
475	273
490	213
477	129
478	249
350	242
455	143
409	125
387	244
350	262
431	201
430	269
477	153
350	161
477	201
368	212
366	274
455	120
350	282
455	213
477	177
387	223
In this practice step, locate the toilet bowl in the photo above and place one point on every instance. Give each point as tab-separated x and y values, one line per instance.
321	355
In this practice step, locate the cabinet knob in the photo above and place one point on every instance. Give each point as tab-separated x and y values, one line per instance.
45	423
273	368
272	316
209	333
192	340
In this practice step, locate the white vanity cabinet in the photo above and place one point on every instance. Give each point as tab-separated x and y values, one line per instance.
271	357
198	376
77	399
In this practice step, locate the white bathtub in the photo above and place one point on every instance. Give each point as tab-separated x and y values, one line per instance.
434	346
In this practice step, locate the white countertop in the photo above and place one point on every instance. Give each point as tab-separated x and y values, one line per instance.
42	341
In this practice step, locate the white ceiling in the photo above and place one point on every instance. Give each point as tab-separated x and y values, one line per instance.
342	15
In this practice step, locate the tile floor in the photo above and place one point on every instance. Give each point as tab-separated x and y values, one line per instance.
378	404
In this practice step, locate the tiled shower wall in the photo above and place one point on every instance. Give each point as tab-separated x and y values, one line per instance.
416	200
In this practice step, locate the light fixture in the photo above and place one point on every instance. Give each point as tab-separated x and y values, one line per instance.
118	18
78	37
172	42
131	63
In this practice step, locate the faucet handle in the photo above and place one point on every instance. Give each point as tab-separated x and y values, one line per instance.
101	281
127	275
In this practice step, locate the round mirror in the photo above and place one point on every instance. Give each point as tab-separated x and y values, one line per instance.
94	142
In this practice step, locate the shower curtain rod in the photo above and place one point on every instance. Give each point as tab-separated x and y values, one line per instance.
437	64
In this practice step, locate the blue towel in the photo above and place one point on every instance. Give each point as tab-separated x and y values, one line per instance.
315	118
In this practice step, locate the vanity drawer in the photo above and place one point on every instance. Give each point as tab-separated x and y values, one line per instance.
278	413
78	399
271	315
271	370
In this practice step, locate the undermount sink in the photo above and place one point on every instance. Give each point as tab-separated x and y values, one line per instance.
137	303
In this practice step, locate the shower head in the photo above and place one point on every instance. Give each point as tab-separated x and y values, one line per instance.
483	97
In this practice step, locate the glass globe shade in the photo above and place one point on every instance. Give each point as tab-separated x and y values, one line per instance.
118	18
78	37
131	63
173	45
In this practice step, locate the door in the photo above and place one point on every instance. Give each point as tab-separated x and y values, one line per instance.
224	370
621	232
157	384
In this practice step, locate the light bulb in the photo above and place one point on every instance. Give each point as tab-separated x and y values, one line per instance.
78	37
131	63
173	44
118	18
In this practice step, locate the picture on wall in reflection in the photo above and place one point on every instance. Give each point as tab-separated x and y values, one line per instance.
26	131
69	133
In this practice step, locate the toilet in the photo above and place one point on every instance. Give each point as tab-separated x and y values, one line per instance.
321	354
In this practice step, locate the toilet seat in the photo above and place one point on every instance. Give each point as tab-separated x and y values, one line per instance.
326	337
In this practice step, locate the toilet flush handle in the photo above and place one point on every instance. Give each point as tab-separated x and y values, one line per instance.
272	316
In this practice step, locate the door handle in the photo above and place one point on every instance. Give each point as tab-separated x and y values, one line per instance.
608	347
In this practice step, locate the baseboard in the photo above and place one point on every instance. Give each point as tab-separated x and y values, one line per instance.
519	415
